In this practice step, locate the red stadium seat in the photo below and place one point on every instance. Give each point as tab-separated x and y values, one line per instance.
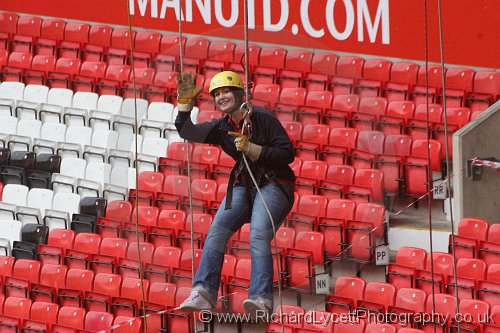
486	90
44	312
63	72
90	73
98	321
429	83
289	102
162	293
116	75
41	65
379	296
402	273
340	142
348	292
301	260
396	149
271	61
99	41
342	108
418	127
52	278
147	45
293	129
28	29
444	305
317	101
370	144
17	307
164	258
131	296
314	136
84	246
409	301
71	317
380	328
18	63
309	209
195	52
403	77
323	66
371	109
367	186
456	118
51	32
419	150
469	271
8	27
297	63
221	51
349	70
476	310
76	34
119	51
376	72
459	82
266	95
63	238
341	174
396	117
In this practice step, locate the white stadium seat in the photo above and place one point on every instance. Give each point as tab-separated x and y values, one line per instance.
8	125
110	104
66	202
79	135
129	106
160	111
15	194
12	90
104	139
53	132
36	93
155	147
31	128
85	100
98	172
60	96
73	167
40	198
11	230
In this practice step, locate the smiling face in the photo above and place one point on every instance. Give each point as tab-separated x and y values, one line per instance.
225	100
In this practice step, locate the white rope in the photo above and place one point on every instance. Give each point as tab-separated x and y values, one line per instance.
188	160
245	125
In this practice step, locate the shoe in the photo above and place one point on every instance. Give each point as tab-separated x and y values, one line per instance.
196	301
258	307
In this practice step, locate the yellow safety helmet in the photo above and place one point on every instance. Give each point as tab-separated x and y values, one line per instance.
225	79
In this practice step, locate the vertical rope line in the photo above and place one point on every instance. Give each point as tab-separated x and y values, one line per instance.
248	97
141	273
429	171
188	157
445	119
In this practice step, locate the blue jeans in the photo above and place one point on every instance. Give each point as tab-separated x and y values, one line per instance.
227	222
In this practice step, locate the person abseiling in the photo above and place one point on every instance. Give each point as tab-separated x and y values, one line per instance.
269	150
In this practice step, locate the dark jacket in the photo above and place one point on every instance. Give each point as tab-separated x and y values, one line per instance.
267	131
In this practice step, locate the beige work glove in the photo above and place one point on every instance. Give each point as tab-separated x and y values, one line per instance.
244	145
186	91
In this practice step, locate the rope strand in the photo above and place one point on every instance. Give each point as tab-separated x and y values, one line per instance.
188	159
136	122
429	171
445	119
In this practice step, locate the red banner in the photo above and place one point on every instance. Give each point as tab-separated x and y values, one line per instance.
388	28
